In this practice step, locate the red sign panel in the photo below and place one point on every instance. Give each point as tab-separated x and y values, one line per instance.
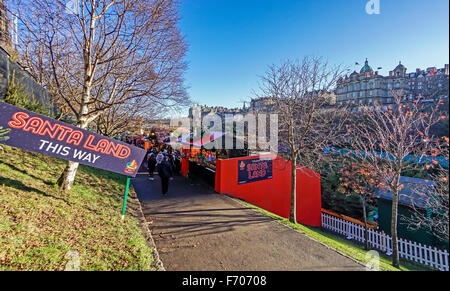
254	170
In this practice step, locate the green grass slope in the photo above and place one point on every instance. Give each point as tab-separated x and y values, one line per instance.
39	225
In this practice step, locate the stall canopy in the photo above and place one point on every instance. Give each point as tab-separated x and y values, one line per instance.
187	139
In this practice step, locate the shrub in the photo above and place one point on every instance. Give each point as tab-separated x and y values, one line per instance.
3	132
17	96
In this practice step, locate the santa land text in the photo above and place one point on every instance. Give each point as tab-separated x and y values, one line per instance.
41	134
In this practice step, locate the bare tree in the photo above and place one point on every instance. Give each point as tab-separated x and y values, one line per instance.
393	141
125	117
431	211
358	178
307	124
116	120
103	55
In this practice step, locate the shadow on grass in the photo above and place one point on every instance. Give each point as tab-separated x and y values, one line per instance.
49	183
86	169
20	186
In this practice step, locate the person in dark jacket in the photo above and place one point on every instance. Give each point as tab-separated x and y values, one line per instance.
151	163
165	172
177	165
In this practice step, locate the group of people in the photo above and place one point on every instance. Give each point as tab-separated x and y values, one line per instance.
166	162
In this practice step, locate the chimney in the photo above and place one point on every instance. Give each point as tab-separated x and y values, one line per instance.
391	74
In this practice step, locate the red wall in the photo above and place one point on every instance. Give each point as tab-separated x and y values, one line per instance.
274	195
184	166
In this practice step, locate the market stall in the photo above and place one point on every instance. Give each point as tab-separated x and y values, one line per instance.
200	156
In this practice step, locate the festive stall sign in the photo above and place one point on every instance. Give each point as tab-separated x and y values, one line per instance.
37	133
254	170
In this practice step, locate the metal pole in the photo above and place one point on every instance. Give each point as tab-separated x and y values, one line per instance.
125	198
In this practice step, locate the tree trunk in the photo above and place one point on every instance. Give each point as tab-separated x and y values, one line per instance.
68	176
293	215
394	222
366	228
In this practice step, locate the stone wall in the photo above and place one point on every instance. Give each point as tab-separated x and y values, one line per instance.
7	67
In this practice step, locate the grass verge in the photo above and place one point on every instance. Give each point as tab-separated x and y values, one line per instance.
338	243
39	224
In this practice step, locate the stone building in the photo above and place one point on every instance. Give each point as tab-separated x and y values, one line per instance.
368	87
257	105
218	110
5	36
264	104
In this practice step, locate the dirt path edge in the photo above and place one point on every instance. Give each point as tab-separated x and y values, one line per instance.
157	263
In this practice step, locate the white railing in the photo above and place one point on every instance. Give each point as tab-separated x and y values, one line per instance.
409	250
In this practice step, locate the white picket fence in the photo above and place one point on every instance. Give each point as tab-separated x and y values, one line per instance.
409	250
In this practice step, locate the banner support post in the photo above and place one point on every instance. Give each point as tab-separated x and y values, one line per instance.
125	198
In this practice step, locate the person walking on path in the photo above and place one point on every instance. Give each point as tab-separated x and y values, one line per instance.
151	163
177	165
159	158
165	172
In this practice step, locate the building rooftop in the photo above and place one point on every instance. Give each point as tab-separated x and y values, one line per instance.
366	67
415	193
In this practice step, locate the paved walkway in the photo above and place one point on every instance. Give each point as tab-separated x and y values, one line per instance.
197	230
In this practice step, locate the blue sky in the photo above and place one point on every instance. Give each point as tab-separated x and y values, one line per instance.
231	42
